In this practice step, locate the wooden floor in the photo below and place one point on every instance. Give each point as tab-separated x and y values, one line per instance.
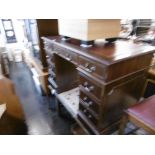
40	119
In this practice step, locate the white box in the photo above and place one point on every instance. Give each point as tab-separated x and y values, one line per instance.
89	29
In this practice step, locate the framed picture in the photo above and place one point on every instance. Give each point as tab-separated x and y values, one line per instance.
9	30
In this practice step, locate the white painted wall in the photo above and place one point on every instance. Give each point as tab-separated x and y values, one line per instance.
19	31
2	34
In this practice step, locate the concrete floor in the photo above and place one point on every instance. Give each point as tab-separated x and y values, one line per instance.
40	119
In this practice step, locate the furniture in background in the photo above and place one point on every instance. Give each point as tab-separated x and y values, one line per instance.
40	77
35	29
2	109
36	59
96	84
142	115
4	62
13	120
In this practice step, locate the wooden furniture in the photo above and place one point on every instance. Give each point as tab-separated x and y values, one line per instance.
110	78
149	86
142	115
44	27
13	121
4	62
42	76
89	29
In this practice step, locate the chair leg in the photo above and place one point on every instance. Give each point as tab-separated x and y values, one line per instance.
123	125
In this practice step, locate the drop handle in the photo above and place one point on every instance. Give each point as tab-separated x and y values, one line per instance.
89	88
86	65
49	87
90	103
85	83
85	98
69	57
90	69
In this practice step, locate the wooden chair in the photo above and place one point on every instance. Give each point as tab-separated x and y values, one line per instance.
142	115
13	120
149	88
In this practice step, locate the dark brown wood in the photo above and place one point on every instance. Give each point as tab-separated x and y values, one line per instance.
92	67
111	76
89	102
66	74
46	27
123	123
13	121
4	64
107	54
89	85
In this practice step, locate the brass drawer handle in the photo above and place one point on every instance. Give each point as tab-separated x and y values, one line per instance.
93	68
85	83
86	65
89	89
69	57
90	103
47	56
90	69
85	98
50	87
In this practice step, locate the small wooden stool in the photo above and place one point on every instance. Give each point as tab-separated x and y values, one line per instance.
142	115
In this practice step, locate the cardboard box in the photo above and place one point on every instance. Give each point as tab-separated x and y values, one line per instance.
89	29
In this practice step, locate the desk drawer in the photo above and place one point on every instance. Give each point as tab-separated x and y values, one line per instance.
91	104
66	54
88	115
93	68
90	86
48	46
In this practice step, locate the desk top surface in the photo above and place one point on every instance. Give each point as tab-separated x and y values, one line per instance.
108	52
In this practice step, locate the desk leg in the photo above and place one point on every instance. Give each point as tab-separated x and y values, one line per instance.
58	106
123	124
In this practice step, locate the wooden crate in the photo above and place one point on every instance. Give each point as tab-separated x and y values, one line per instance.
89	29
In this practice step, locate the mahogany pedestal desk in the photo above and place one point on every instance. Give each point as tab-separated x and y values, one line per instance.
108	76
